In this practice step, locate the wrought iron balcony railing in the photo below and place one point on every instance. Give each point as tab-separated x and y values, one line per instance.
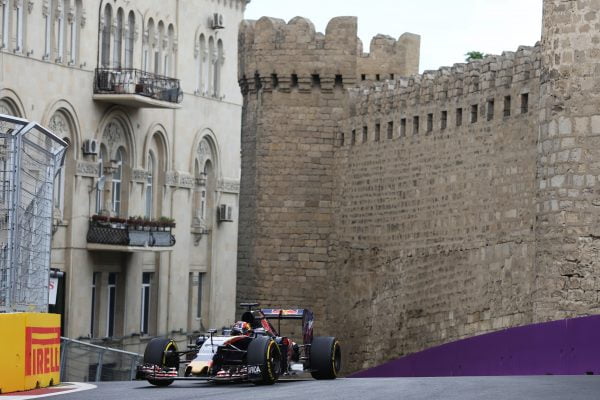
123	234
137	82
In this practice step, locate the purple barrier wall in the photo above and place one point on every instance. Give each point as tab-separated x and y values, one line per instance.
567	347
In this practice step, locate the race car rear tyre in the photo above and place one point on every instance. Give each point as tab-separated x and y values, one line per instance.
161	352
325	357
264	353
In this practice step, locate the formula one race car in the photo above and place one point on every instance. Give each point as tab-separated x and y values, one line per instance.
251	351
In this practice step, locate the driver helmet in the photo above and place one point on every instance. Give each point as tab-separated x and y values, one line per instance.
241	328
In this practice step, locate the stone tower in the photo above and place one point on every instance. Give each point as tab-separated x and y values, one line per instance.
293	81
568	205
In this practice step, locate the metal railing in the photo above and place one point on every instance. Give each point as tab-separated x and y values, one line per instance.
122	234
85	362
135	81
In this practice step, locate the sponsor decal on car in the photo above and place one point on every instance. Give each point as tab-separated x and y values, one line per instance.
254	370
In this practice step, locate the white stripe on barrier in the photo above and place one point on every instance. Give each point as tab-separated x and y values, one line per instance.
58	390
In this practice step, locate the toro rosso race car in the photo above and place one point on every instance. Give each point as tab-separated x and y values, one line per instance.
251	351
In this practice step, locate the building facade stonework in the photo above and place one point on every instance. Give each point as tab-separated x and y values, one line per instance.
413	210
146	94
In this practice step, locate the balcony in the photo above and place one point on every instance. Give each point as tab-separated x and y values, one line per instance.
136	88
117	234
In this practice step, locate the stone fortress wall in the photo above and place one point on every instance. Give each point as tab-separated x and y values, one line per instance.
414	211
435	206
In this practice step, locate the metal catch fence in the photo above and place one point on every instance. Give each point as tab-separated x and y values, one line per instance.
30	156
85	362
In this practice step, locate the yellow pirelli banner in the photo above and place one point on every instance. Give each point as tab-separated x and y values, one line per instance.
29	350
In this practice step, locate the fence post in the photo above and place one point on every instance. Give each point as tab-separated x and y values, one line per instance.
133	368
99	369
63	360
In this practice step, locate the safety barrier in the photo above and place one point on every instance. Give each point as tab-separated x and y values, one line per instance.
85	362
30	349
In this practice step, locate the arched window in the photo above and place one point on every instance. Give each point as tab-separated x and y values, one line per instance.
212	57
159	49
59	125
150	186
7	107
75	23
59	185
207	195
48	13
201	64
5	4
129	40
205	188
102	160
20	26
106	26
118	40
149	45
218	64
116	182
199	210
169	51
60	31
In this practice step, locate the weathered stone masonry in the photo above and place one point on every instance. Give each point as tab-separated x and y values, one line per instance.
413	211
436	225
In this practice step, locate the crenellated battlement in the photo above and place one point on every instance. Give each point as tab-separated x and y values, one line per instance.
274	54
478	77
388	57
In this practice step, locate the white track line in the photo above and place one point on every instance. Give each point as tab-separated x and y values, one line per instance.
80	387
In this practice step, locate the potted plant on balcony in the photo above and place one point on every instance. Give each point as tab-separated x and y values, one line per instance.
106	230
138	234
162	235
100	218
136	223
117	222
164	223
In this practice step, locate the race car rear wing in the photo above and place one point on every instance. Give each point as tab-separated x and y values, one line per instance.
295	313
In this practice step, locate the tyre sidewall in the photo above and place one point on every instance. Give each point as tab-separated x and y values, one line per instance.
325	357
156	353
260	351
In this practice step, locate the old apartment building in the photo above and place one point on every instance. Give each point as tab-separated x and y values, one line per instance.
146	206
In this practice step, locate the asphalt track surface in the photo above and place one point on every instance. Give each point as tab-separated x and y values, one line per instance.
479	388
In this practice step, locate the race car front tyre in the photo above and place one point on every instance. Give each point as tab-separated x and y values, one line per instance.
264	354
325	357
161	352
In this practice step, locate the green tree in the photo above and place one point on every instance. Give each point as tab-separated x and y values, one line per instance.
474	55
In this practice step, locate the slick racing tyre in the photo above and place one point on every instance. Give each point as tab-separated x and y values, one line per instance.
325	357
162	353
264	356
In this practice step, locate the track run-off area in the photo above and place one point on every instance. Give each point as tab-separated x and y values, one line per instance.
451	388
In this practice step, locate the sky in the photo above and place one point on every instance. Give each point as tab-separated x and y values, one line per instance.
448	28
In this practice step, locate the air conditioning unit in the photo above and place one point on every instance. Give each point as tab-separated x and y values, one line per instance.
225	213
90	146
216	22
